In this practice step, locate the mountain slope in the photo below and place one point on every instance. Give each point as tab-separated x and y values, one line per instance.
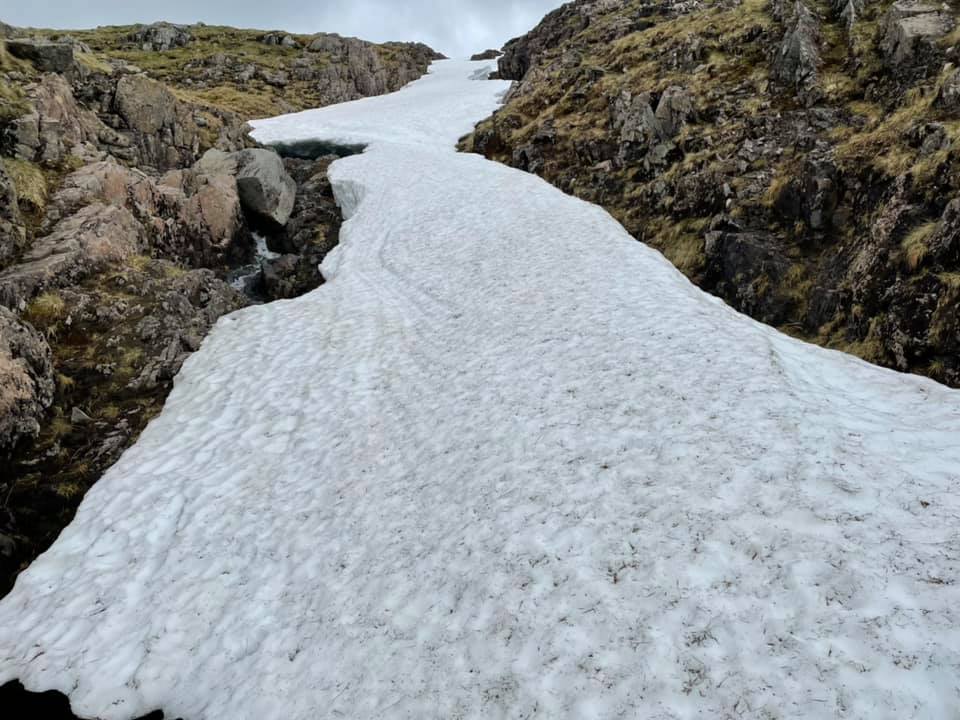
797	159
508	462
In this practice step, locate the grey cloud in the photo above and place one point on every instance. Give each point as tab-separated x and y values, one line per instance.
454	27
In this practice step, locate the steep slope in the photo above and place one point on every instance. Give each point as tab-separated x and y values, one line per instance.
508	462
798	159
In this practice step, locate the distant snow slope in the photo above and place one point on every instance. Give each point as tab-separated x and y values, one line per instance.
508	463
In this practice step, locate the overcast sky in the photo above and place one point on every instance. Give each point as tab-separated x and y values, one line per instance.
454	27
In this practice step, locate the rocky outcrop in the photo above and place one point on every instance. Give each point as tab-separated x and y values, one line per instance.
57	127
910	29
798	58
161	37
86	242
281	39
46	56
162	132
486	55
26	380
118	338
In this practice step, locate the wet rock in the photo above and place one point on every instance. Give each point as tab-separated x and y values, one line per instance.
742	266
798	58
26	380
161	37
910	28
266	190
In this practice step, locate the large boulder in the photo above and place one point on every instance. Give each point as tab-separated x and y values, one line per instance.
46	56
266	190
26	380
161	36
910	28
162	131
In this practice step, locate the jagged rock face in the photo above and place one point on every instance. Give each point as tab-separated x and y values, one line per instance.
58	126
26	380
161	37
797	61
192	215
911	27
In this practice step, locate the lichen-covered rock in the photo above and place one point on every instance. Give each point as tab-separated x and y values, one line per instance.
161	36
26	380
189	215
83	243
266	190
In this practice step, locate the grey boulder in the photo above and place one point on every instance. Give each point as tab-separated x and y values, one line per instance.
266	190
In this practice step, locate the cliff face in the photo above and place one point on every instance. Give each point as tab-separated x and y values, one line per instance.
797	159
129	191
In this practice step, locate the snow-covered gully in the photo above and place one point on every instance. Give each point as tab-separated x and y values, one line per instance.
507	463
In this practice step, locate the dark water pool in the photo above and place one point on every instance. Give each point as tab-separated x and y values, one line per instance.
313	149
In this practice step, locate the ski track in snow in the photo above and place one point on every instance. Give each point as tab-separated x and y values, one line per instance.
508	463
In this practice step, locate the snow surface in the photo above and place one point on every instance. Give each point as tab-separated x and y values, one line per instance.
508	463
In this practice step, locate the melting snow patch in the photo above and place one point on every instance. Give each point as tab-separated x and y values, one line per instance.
508	462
